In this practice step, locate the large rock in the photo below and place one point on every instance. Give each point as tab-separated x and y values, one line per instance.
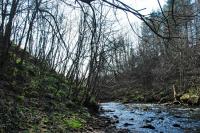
190	98
185	97
193	99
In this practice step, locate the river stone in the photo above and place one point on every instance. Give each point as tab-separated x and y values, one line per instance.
145	108
176	125
109	111
148	126
113	129
123	131
113	121
149	120
159	111
117	121
127	124
177	116
115	116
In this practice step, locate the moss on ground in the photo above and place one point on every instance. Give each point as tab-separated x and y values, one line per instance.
37	99
74	123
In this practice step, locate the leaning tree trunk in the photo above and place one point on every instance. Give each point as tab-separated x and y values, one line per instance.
5	38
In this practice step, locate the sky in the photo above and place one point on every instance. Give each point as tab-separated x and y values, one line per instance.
150	5
122	25
147	5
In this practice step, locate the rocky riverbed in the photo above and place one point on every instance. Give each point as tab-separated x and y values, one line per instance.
152	118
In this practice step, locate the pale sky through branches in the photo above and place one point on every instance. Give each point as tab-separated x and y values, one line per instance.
150	5
147	5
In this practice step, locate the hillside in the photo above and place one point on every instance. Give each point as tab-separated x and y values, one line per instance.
37	99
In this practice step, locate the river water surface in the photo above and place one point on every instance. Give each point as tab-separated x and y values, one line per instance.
153	118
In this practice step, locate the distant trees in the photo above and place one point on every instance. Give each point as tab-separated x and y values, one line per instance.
167	52
78	40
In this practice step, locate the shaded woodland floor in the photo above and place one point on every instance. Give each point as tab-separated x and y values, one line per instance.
33	99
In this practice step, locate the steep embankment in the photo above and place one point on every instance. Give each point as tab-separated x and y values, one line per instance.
34	98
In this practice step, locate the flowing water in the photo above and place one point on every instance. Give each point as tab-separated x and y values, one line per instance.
153	118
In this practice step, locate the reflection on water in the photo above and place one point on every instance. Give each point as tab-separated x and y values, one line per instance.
151	118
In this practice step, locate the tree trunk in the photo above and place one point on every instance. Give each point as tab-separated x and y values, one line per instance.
5	39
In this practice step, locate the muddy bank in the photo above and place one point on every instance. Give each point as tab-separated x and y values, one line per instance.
102	124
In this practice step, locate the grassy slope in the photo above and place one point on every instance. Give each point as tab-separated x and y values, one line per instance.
34	99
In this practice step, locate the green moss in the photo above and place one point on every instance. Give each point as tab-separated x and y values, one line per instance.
73	123
189	98
47	96
192	95
194	91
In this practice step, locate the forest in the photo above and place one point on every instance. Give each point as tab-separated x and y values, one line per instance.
61	61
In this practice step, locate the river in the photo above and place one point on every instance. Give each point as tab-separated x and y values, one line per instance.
153	118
